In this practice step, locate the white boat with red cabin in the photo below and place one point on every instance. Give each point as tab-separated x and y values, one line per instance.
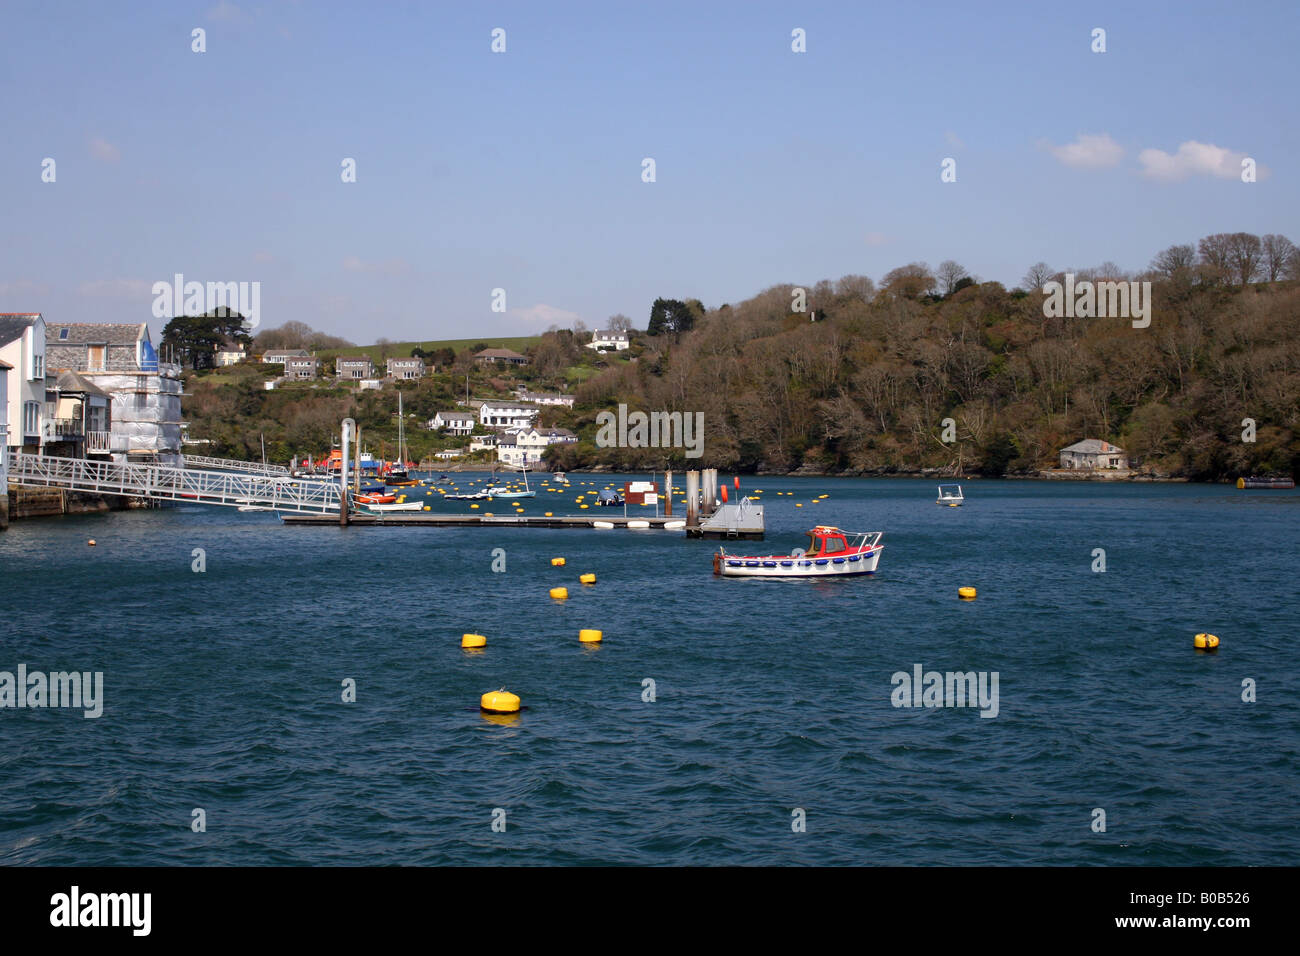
830	553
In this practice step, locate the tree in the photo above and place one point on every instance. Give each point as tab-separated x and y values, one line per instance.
1278	253
671	316
1245	256
1216	256
910	281
1176	261
856	287
194	339
1039	274
949	274
619	323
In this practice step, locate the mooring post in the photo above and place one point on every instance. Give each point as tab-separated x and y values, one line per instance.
348	425
692	498
668	494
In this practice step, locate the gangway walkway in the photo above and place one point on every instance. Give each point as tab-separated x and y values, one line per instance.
229	464
162	483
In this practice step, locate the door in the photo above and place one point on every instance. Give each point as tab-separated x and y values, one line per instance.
95	358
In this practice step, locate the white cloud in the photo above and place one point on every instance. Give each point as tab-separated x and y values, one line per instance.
1193	159
542	314
390	267
117	289
1089	151
103	150
23	287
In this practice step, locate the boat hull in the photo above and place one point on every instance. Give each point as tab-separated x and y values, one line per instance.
793	566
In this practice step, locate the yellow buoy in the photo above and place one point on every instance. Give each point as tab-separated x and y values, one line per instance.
499	702
582	506
474	506
549	515
473	640
557	562
798	504
1241	483
966	594
559	594
427	508
1205	642
589	636
587	578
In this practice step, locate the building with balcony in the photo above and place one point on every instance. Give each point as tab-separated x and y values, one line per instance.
79	417
354	367
301	367
406	368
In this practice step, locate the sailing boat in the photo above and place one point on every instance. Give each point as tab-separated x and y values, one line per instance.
398	476
506	493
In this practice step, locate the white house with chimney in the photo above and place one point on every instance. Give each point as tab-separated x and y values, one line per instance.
1093	454
604	340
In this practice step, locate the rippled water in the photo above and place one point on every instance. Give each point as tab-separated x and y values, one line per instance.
223	689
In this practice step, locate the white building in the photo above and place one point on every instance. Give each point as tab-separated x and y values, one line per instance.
497	414
22	347
455	423
604	340
5	369
543	398
525	445
230	354
278	356
482	442
1093	454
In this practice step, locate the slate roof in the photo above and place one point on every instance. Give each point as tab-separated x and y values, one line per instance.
94	333
14	324
1093	446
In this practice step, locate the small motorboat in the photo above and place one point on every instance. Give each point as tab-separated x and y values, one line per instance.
831	553
950	495
392	506
376	499
609	498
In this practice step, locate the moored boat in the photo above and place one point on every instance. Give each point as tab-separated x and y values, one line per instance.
951	496
1255	481
830	553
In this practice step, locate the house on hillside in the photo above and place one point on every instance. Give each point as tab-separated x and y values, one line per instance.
525	445
603	341
280	356
406	368
300	367
454	423
229	353
502	414
543	398
500	357
22	348
354	367
78	416
1093	454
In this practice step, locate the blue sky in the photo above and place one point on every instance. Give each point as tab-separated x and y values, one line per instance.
522	170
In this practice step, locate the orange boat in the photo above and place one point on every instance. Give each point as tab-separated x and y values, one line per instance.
376	499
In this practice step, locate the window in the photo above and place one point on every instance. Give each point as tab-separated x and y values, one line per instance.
31	418
38	366
63	335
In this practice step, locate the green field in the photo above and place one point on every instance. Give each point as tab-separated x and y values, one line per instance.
377	353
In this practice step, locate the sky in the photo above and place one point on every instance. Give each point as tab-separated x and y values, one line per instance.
524	170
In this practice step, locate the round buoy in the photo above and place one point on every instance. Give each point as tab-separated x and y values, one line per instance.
474	506
427	508
966	594
736	482
549	515
1241	483
723	490
499	702
798	504
91	542
559	593
582	506
589	636
473	640
1205	642
557	562
587	578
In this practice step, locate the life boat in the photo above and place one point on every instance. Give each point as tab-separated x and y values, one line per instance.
376	499
830	553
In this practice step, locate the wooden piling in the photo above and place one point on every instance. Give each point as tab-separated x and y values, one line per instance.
668	494
692	498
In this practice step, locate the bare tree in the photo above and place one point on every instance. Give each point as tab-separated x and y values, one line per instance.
619	323
856	287
1216	256
949	274
910	281
1278	253
1039	274
1246	257
1175	261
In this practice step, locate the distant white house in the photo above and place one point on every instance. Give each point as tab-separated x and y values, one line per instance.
22	346
230	353
543	398
278	356
1093	454
482	442
603	340
521	445
454	423
500	414
448	453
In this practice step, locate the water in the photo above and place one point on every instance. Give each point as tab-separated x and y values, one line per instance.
223	689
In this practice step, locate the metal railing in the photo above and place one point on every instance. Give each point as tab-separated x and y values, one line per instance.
161	483
230	464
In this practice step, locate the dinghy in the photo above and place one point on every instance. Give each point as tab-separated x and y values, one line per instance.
831	553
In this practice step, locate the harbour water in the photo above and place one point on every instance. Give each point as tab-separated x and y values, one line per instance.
223	688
